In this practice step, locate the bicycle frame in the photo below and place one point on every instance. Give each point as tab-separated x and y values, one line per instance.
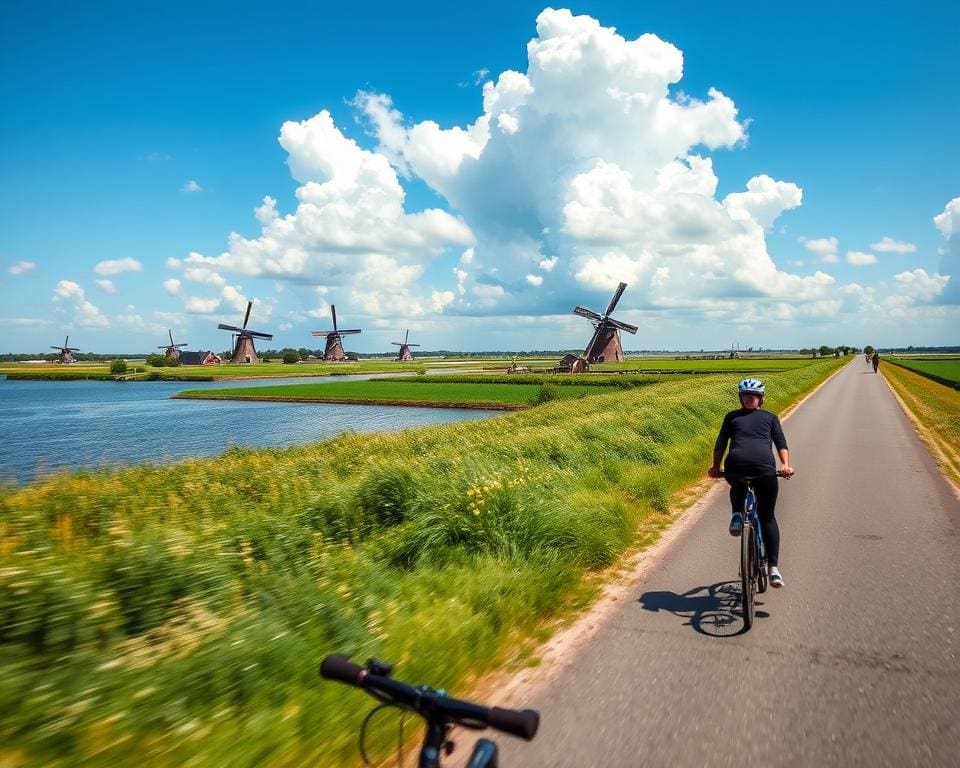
750	514
753	557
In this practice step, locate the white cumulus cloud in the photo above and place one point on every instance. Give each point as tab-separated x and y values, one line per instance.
592	164
948	222
547	265
918	285
824	247
106	286
191	186
860	259
22	267
117	266
889	245
70	299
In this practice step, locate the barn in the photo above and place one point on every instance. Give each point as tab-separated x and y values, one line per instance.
199	358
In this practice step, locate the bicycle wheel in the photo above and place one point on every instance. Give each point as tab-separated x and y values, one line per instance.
747	564
762	564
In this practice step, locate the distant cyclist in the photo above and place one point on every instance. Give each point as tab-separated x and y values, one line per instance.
750	432
876	361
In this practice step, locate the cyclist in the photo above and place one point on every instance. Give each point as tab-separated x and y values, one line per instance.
750	432
876	361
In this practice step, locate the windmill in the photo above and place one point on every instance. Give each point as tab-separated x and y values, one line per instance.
334	349
604	345
66	352
405	353
243	349
172	350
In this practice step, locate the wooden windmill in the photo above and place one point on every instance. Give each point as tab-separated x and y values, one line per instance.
334	349
405	353
172	350
66	352
243	349
605	345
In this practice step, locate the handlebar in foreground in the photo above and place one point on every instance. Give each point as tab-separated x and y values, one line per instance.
428	703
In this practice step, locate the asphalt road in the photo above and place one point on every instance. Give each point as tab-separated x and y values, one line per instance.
856	662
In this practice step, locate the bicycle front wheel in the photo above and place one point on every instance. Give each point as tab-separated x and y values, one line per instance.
747	564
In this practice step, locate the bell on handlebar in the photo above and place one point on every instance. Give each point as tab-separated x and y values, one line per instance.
379	668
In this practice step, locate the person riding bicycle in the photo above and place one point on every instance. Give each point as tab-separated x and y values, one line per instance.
876	361
750	432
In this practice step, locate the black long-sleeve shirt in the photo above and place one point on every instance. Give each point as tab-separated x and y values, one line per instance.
750	434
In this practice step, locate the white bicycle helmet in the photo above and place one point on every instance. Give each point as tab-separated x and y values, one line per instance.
753	386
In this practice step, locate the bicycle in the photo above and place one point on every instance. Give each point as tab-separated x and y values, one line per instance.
440	711
754	576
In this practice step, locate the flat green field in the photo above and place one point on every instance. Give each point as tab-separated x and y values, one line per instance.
427	392
621	380
55	372
744	365
174	615
943	371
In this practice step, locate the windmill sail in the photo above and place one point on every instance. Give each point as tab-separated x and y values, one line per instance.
333	352
244	350
604	344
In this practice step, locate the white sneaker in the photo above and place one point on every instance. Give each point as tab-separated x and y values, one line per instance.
776	580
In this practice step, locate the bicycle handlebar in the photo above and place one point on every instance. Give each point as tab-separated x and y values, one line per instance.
430	703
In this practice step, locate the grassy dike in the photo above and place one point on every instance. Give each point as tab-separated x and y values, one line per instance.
935	408
430	393
175	616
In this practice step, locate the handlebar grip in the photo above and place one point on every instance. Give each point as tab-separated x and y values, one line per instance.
519	722
339	667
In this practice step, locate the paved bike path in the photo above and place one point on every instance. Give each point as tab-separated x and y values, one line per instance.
857	661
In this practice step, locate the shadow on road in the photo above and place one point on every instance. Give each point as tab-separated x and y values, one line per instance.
712	610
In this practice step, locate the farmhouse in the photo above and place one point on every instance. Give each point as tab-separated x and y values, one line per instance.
199	358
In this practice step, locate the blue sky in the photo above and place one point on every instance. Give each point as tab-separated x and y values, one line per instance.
134	135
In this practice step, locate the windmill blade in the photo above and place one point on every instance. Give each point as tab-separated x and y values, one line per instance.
246	317
258	335
351	330
57	348
321	333
333	311
398	343
587	313
407	337
413	345
223	327
171	336
622	326
616	297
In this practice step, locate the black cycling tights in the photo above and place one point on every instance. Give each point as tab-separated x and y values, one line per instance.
766	488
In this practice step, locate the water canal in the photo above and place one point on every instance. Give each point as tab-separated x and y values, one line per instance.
52	425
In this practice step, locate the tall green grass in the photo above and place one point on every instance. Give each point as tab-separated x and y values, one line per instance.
175	615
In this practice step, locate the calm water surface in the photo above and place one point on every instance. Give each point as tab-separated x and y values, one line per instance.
49	425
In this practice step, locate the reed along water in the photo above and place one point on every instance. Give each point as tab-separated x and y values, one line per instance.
52	425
